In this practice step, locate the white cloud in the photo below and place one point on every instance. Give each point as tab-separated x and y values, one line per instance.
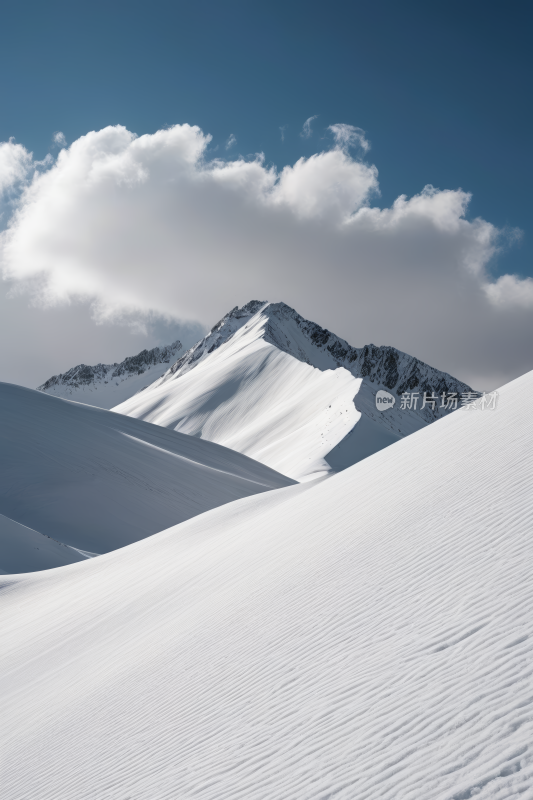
347	136
15	163
46	341
282	129
148	224
59	139
510	291
326	185
306	130
231	141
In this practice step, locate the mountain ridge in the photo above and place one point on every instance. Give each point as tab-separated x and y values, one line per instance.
87	380
378	363
281	389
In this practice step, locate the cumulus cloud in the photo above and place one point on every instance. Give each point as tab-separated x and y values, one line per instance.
306	130
328	184
150	224
510	291
231	141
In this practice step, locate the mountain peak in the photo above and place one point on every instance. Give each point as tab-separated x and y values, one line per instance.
287	392
273	385
283	327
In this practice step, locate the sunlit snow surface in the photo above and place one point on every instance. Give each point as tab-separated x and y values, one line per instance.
368	636
251	396
262	402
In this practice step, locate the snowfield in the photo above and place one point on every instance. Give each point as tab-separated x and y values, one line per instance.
365	636
96	481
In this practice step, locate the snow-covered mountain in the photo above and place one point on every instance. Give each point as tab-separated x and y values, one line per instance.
367	636
106	385
96	481
270	384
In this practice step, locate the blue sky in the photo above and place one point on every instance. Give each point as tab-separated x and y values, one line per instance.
441	90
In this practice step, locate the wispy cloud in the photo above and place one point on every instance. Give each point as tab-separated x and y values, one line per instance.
306	130
231	141
59	139
15	163
282	129
347	136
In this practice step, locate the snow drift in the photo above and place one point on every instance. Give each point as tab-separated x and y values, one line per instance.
95	480
369	636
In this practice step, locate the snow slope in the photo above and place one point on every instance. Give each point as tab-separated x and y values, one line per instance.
24	550
106	385
95	480
280	389
369	636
